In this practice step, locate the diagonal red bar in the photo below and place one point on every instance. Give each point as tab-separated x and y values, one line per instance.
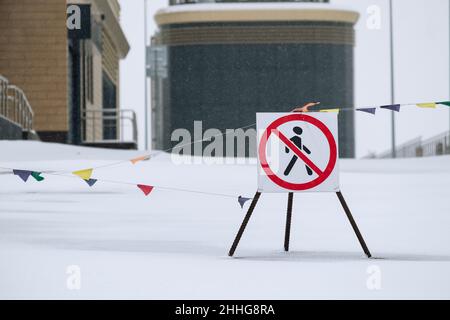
297	151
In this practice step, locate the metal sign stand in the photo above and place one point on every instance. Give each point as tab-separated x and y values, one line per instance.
288	223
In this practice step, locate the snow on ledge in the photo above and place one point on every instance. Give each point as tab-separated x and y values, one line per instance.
195	7
213	12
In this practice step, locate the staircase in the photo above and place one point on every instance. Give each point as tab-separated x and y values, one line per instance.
16	115
435	146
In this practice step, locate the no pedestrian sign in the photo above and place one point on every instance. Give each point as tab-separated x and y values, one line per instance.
297	152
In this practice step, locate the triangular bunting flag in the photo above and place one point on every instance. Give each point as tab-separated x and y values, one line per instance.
427	105
368	110
37	176
23	174
91	182
145	188
136	160
83	174
393	107
330	110
243	200
445	103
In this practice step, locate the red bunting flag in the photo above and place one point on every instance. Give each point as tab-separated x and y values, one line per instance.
145	188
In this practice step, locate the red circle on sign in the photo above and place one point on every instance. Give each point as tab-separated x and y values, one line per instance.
298	186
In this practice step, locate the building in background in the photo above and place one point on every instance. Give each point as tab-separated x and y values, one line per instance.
223	62
65	57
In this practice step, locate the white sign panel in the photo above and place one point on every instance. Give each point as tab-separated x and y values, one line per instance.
297	152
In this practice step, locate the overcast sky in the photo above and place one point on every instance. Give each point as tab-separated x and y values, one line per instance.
421	47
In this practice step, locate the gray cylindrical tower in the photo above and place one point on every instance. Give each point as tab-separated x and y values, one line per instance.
227	61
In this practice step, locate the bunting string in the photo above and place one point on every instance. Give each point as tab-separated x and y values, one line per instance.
370	109
86	174
146	189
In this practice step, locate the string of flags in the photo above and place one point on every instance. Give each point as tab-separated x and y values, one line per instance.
393	107
86	174
371	110
25	174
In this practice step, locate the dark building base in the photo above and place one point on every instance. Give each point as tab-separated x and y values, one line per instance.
9	130
112	145
30	135
53	136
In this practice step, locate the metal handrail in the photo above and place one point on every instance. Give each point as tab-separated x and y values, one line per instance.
434	146
437	145
14	105
404	150
92	120
19	108
3	95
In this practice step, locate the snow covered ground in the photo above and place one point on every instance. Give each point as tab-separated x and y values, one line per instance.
173	245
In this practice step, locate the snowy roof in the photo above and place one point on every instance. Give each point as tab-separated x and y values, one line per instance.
274	11
252	6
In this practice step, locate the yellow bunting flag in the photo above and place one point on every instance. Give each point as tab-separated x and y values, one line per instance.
135	160
427	105
83	174
330	110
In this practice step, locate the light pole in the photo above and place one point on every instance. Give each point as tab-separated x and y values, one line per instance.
394	153
145	76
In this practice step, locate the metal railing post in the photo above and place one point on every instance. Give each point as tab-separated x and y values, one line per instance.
103	119
14	105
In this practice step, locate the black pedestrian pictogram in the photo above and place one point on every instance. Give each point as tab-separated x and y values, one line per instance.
297	140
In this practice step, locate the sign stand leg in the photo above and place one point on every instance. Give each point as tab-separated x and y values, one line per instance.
353	223
244	223
288	221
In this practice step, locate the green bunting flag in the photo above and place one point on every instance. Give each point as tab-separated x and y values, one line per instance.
445	103
37	176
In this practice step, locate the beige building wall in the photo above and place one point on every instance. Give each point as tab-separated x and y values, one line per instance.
111	67
94	125
106	61
94	121
33	56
